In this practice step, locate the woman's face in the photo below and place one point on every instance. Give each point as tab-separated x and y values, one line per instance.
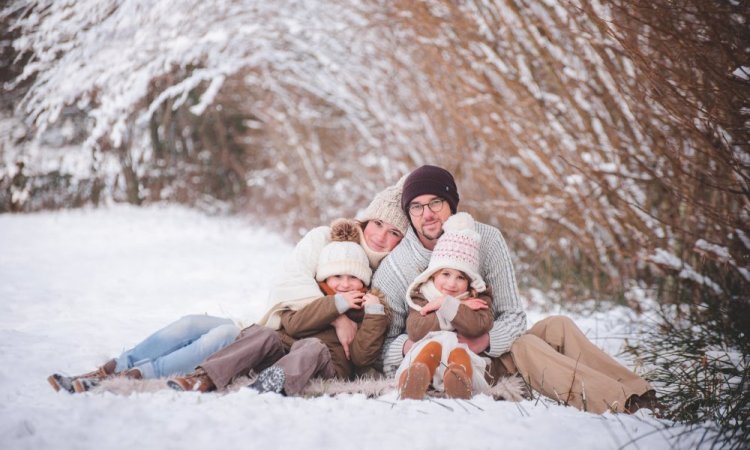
451	282
381	236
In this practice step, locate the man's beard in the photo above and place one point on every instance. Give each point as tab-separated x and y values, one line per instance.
432	237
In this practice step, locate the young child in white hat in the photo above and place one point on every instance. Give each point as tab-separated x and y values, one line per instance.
306	345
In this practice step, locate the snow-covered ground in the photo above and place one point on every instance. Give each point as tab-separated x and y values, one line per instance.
78	287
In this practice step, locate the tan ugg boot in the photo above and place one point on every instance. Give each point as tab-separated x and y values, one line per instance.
415	380
457	377
430	356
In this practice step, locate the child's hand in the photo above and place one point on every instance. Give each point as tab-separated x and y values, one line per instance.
370	299
475	304
353	298
432	305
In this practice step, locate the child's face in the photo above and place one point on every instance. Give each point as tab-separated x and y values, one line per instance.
344	283
451	282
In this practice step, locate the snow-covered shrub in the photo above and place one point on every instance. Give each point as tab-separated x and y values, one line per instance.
700	364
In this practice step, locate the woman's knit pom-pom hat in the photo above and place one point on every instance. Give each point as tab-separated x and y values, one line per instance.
386	206
343	255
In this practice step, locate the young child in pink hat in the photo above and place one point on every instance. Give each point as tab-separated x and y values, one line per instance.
449	297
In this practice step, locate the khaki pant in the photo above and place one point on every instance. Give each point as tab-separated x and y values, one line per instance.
555	358
257	348
306	359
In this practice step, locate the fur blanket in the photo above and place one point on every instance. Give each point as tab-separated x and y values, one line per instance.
510	388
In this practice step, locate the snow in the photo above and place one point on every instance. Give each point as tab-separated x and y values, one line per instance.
77	287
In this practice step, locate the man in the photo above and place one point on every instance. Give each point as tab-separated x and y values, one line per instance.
429	197
554	357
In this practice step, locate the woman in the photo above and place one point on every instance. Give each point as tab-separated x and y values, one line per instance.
180	346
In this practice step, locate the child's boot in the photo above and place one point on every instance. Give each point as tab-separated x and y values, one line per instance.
415	380
457	377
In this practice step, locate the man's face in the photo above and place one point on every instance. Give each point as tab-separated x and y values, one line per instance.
429	225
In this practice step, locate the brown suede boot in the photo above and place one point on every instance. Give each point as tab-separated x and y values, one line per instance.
81	385
414	381
457	377
58	381
107	369
430	356
131	374
647	400
195	381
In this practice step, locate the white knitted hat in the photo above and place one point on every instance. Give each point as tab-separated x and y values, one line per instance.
457	248
386	206
343	255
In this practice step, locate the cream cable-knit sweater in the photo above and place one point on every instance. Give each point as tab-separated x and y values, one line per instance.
410	258
295	286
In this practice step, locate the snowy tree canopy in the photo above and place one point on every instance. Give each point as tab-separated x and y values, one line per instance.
607	157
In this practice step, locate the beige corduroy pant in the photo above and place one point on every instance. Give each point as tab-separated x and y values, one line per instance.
557	359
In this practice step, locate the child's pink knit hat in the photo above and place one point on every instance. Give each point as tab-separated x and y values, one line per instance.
457	248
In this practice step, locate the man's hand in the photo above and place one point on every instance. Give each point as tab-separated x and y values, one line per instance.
477	344
432	305
346	328
475	304
407	346
353	298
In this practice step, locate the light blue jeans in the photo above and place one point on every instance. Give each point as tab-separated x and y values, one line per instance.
179	347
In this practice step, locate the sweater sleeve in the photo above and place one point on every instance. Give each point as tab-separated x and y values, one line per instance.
297	280
311	319
497	271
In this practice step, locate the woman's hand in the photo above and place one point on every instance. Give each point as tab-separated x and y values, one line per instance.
432	305
370	299
475	304
346	328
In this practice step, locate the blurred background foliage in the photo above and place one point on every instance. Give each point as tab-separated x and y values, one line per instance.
607	140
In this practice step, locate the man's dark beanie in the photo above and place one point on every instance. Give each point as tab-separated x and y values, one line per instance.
429	180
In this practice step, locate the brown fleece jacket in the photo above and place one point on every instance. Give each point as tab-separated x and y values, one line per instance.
467	322
314	320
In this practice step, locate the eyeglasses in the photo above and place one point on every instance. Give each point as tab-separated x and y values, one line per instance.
435	205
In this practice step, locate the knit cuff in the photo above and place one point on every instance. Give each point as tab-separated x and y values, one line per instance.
394	355
500	342
342	305
375	309
449	309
